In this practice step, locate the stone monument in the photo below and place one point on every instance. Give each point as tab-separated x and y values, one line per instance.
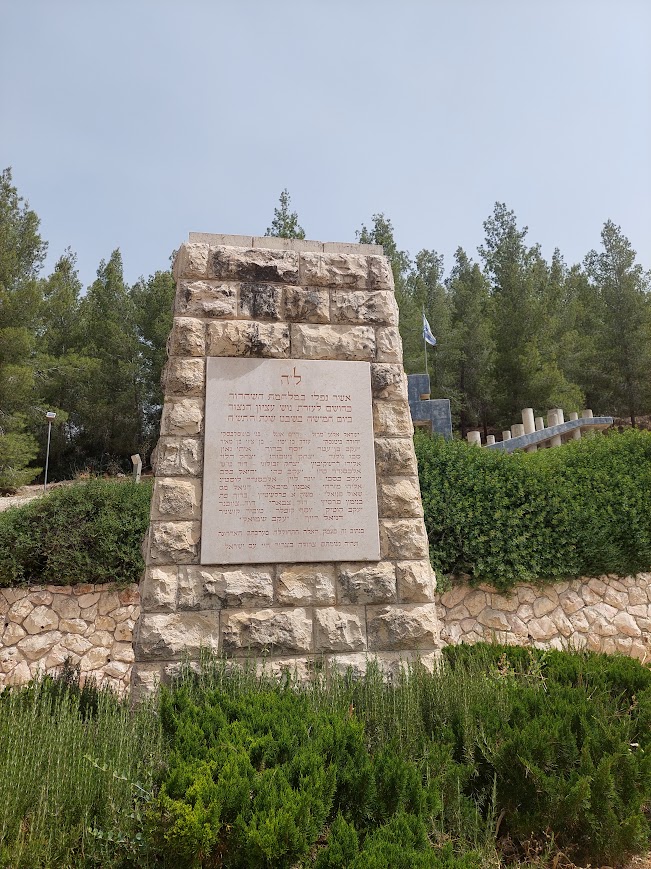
286	519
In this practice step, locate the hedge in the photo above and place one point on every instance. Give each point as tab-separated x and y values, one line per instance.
85	533
583	509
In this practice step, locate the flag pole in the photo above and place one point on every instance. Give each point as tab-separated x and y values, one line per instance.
425	343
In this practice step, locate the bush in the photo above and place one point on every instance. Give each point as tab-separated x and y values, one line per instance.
87	533
583	509
17	450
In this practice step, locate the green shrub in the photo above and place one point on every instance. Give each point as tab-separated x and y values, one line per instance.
17	450
580	510
87	533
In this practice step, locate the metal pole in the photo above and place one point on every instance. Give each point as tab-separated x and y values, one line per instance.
425	343
47	453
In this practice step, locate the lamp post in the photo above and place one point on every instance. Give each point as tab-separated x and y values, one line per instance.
50	415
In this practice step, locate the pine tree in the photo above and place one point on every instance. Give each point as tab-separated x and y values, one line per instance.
285	223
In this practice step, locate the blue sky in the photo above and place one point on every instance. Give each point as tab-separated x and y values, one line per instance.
129	124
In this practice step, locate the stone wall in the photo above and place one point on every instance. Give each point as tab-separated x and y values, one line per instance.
603	614
90	625
283	299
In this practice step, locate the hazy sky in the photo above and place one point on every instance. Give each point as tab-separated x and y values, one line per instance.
129	124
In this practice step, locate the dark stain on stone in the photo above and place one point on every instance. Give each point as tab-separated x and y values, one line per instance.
259	300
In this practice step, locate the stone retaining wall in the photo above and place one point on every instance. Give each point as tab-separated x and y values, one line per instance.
90	625
603	614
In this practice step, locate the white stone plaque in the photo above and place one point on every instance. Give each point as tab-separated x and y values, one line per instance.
289	463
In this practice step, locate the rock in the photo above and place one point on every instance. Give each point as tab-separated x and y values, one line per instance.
475	601
617	599
248	338
309	305
104	623
75	643
394	628
19	610
213	588
260	301
525	612
191	261
129	596
89	613
453	596
87	600
542	629
116	669
42	618
124	632
389	344
388	382
174	542
267	631
380	276
363	307
598	586
41	598
457	613
159	589
124	652
19	675
125	612
184	377
493	619
399	497
571	602
206	299
416	581
257	265
94	659
395	456
169	635
187	338
504	603
35	646
339	630
360	583
304	584
526	594
183	416
403	539
637	596
73	626
542	606
101	638
178	456
563	624
65	607
625	623
333	342
108	601
176	498
330	270
392	417
12	633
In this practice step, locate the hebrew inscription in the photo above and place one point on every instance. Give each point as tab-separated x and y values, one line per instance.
289	471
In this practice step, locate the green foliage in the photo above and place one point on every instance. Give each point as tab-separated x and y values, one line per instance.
89	532
580	510
285	223
17	450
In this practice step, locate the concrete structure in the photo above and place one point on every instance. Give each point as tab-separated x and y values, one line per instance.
531	434
431	414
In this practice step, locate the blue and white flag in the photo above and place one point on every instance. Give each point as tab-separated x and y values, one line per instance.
427	333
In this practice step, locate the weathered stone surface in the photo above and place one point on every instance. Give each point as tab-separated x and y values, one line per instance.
361	306
360	583
392	418
184	376
305	584
65	606
182	417
191	261
389	344
105	623
625	623
307	305
206	299
399	497
176	498
94	659
388	381
19	610
493	619
333	342
542	606
476	601
251	264
457	613
453	596
87	600
248	338
403	539
166	636
41	618
618	599
187	338
395	627
260	301
124	632
380	276
35	646
214	588
73	626
178	456
12	633
75	643
395	456
108	602
637	596
174	542
267	631
339	630
40	597
334	270
571	602
158	589
542	629
416	581
101	638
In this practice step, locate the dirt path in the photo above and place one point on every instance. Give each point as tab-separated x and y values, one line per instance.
26	494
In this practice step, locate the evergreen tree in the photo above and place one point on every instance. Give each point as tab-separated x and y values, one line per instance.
285	223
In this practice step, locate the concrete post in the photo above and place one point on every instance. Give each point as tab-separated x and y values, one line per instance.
137	467
540	423
529	426
552	419
576	434
490	439
506	435
474	437
517	430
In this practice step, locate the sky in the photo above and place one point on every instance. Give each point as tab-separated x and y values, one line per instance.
129	123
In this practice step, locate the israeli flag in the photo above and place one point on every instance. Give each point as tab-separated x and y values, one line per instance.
427	333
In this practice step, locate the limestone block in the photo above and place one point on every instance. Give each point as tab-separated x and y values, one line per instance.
20	674
108	601
88	600
563	624
334	270
275	243
75	643
598	586
40	597
602	628
637	611
124	612
260	301
518	627
339	630
618	599
392	418
493	619
639	650
589	596
333	342
453	595
403	539
105	623
205	299
457	613
19	610
65	607
167	636
399	496
526	594
214	588
304	584
389	344
178	456
388	381
184	376
187	338
101	638
191	261
360	583
74	626
525	612
267	631
57	656
542	629
12	595
182	417
89	613
307	305
94	659
83	588
41	618
37	645
116	669
506	603
248	338
637	596
571	601
12	633
416	581
124	651
176	498
626	624
380	276
145	679
395	456
251	264
542	606
174	542
600	611
476	601
158	590
361	306
124	632
393	628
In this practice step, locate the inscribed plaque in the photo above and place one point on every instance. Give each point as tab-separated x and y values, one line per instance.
289	463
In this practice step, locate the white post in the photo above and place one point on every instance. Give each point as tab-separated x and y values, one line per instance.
490	439
506	435
517	430
540	423
552	419
474	437
560	416
50	415
137	467
529	427
588	414
576	434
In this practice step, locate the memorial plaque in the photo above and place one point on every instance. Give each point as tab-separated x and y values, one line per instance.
289	469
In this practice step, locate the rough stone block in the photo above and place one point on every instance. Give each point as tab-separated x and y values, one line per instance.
248	338
392	418
361	583
380	276
182	417
214	588
388	382
174	542
364	306
267	631
176	498
206	299
339	630
305	584
158	589
333	342
178	457
406	627
388	344
403	539
493	619
191	261
253	264
624	622
260	301
65	606
399	497
36	646
187	337
19	610
395	456
41	618
334	270
145	680
307	305
416	581
163	636
184	377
